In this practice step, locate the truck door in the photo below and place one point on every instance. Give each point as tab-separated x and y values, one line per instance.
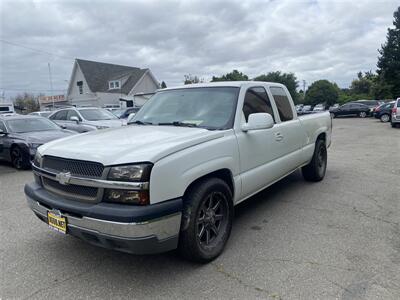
257	148
289	135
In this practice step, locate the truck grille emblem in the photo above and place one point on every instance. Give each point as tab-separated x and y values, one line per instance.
63	178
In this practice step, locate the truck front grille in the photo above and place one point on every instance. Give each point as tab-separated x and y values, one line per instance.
75	167
71	191
78	168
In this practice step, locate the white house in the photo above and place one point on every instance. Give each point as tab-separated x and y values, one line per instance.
102	84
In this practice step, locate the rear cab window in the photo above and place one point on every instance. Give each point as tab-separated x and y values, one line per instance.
256	100
282	103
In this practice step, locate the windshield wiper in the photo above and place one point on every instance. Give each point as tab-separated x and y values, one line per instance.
178	123
140	123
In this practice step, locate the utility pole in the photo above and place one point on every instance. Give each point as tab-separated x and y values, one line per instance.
51	85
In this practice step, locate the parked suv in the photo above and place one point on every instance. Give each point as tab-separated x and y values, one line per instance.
395	113
83	119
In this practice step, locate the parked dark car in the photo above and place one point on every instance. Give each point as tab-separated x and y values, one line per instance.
351	109
20	136
384	112
125	112
372	104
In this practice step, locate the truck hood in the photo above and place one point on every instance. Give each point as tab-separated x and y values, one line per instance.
129	144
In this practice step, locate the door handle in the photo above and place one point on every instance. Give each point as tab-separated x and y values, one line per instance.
278	137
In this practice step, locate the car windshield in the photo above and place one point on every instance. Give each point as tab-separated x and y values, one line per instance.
210	108
96	114
31	124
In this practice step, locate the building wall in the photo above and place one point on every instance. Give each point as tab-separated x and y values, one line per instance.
74	97
146	85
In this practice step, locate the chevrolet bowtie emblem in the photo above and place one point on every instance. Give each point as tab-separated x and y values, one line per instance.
63	178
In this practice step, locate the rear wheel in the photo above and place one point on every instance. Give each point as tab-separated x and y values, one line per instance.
385	118
316	169
207	220
362	114
19	158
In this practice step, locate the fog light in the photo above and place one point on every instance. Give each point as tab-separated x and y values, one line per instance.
127	197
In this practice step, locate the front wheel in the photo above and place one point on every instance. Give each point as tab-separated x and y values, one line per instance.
316	169
206	221
362	114
19	159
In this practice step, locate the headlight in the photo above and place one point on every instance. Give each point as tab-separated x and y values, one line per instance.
37	160
139	172
127	197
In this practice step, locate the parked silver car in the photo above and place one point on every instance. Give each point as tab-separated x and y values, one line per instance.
396	113
84	119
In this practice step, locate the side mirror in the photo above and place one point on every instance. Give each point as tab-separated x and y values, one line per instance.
258	121
130	118
74	118
2	132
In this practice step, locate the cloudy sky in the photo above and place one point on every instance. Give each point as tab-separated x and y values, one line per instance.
314	39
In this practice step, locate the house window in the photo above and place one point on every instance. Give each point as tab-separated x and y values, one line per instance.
80	86
115	84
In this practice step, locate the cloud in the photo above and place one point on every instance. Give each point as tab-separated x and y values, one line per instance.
316	39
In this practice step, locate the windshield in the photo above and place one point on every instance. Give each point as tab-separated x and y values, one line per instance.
96	114
211	108
28	125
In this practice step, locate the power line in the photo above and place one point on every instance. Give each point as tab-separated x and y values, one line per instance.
35	50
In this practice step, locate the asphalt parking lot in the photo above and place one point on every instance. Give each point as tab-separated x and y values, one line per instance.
339	238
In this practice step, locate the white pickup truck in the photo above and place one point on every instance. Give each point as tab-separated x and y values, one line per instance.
172	177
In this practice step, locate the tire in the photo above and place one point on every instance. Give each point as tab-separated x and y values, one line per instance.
206	225
385	118
362	114
393	125
316	169
19	158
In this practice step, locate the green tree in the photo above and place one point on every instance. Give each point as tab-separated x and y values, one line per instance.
163	85
389	60
26	103
322	91
235	75
361	85
288	79
190	79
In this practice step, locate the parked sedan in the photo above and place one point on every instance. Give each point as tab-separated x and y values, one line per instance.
351	109
45	113
84	119
20	136
384	112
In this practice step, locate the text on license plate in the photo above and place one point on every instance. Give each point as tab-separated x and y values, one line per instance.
57	222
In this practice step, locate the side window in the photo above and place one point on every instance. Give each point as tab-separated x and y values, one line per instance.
256	101
283	104
72	113
61	115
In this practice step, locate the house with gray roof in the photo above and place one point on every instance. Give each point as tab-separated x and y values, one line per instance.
102	84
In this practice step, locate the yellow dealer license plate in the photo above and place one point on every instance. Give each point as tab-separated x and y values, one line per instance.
57	222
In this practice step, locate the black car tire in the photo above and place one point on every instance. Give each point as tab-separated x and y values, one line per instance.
362	114
385	118
19	158
393	125
316	169
206	225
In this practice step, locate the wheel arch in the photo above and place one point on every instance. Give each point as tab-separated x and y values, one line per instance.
224	174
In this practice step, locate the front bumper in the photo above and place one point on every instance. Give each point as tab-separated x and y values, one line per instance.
138	230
